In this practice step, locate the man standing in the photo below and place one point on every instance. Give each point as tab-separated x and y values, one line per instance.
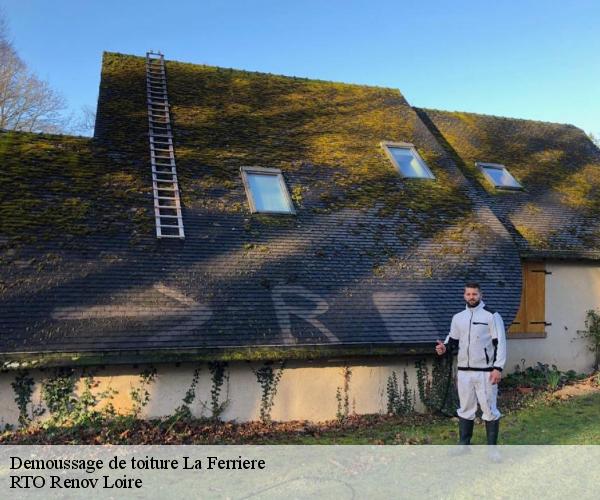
477	334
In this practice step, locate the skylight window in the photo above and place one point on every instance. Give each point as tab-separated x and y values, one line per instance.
266	190
405	158
499	176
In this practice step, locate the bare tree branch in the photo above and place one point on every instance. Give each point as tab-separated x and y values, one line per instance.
26	102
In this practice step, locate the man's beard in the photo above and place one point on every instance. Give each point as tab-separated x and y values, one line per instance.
473	305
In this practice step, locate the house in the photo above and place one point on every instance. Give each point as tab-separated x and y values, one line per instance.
552	213
326	234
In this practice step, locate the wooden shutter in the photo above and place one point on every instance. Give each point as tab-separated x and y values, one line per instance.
531	317
535	297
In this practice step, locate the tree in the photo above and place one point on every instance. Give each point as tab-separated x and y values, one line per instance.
595	139
26	102
86	122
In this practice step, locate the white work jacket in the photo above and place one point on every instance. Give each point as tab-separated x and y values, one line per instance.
477	334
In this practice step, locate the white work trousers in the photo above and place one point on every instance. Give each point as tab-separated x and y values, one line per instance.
474	387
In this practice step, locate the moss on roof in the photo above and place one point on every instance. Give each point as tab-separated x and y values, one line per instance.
57	186
326	133
557	164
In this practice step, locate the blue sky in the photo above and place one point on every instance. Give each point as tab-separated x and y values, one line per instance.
537	59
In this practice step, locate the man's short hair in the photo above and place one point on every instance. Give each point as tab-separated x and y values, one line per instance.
473	284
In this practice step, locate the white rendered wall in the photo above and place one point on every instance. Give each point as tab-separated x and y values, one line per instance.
307	390
571	290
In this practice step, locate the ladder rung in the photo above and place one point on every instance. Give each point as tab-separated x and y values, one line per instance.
168	220
166	181
166	216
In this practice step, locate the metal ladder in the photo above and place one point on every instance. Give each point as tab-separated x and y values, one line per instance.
167	205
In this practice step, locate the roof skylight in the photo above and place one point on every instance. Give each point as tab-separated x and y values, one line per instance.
266	190
499	176
405	158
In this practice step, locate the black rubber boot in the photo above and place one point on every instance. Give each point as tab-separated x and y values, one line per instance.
491	431
465	430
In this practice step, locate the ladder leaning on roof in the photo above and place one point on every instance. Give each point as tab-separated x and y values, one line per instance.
167	205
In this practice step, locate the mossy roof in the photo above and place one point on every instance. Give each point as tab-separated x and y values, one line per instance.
369	259
558	212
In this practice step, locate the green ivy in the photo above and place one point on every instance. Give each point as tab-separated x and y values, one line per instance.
23	388
140	395
184	411
218	375
342	395
592	335
437	392
268	379
400	401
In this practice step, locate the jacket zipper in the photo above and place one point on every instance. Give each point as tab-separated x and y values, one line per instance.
487	358
469	338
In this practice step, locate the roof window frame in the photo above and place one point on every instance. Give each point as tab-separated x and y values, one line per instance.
386	145
275	172
482	165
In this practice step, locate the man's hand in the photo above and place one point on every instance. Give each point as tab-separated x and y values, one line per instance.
495	376
440	348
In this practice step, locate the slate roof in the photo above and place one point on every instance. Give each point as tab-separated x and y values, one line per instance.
371	262
558	213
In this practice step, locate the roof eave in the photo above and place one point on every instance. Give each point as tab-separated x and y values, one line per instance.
29	360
